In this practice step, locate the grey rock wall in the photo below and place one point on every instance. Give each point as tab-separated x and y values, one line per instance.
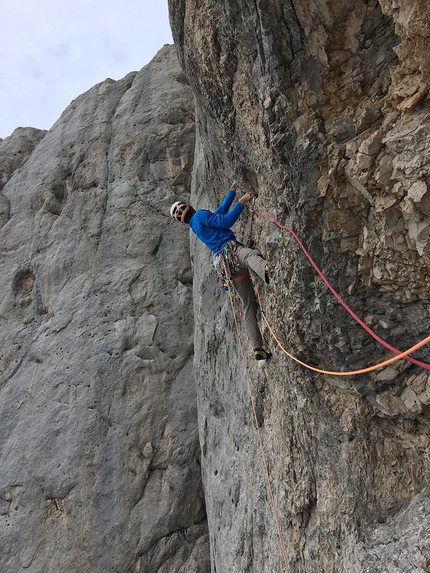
14	151
323	109
99	451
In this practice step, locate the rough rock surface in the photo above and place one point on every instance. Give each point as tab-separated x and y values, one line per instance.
14	152
323	108
99	451
16	149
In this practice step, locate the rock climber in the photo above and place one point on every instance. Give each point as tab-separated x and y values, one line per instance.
213	229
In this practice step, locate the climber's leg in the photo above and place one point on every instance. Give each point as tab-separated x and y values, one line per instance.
253	259
246	294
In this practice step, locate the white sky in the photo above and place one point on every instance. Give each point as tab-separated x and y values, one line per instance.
51	51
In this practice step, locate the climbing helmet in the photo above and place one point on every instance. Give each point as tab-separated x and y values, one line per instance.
179	211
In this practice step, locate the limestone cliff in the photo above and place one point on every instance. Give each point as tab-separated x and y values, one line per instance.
14	151
323	108
99	452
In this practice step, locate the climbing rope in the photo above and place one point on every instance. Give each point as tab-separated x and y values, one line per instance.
399	356
336	373
257	426
343	303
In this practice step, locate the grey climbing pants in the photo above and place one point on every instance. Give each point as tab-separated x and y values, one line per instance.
250	259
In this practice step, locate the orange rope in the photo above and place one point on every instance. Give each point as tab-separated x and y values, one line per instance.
260	438
351	373
337	295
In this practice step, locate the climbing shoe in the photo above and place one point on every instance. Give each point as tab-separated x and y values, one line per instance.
266	276
261	354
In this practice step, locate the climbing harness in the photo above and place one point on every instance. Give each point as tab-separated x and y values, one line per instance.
338	297
229	255
228	264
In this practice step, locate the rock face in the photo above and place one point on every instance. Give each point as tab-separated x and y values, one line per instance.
14	151
323	109
99	459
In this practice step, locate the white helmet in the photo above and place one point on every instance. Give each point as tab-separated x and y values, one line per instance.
179	210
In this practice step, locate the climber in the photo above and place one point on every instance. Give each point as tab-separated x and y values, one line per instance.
213	229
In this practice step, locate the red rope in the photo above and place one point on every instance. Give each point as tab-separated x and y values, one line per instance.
260	437
338	297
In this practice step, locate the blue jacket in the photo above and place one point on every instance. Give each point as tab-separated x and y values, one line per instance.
213	229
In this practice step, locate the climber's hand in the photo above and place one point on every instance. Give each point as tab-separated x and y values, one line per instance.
233	186
247	198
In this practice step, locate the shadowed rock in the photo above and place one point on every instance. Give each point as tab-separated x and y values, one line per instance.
322	108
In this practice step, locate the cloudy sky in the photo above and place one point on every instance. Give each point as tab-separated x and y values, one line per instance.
52	51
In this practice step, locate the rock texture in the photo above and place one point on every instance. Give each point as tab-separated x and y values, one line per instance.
14	151
323	108
99	458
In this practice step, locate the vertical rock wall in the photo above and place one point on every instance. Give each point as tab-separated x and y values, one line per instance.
99	452
322	107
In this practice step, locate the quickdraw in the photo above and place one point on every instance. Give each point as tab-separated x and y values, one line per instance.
250	242
229	254
229	266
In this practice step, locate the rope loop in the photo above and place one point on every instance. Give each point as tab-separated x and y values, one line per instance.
399	353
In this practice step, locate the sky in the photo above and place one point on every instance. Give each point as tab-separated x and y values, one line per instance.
51	51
